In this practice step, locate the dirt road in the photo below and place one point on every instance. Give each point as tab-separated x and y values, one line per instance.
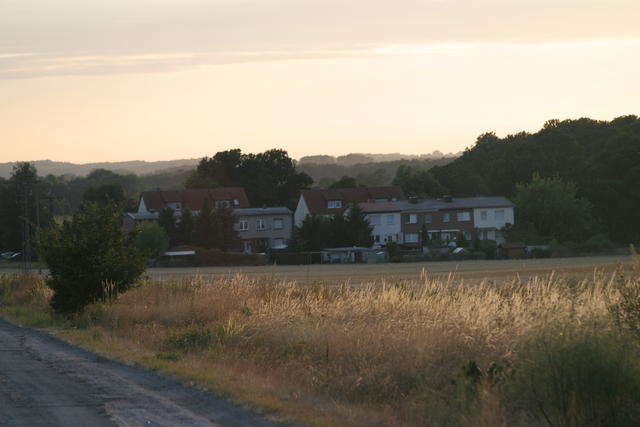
46	382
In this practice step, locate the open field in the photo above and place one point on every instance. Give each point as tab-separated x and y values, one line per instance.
537	350
356	274
471	271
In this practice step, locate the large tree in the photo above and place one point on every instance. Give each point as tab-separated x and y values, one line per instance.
552	208
269	178
90	258
417	182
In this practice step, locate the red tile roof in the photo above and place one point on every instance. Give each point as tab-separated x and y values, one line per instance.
194	199
317	200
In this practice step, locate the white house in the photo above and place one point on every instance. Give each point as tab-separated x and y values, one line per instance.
384	217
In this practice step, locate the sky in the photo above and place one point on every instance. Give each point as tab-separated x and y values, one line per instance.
113	80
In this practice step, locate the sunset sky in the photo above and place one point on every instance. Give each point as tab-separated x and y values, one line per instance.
112	80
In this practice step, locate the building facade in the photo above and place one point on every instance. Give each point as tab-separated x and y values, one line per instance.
445	218
262	228
328	202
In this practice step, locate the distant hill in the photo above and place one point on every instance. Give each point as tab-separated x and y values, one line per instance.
138	167
361	158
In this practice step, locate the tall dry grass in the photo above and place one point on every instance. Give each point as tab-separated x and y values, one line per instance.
545	351
437	352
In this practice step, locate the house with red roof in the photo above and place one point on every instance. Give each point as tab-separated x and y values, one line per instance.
151	203
328	202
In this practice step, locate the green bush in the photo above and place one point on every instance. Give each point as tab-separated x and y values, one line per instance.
489	247
90	258
586	377
152	239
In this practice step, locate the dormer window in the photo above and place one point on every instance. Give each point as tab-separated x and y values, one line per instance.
222	204
334	204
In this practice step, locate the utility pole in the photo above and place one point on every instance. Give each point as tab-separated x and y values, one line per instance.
26	230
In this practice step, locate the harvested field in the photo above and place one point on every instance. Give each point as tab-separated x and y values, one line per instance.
471	271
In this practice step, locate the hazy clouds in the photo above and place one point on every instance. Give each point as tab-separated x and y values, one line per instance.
40	37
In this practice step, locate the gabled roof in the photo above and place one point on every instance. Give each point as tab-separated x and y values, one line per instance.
194	199
317	200
455	203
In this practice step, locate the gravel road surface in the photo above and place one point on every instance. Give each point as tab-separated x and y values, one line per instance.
47	382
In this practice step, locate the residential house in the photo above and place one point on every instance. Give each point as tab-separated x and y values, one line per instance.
329	202
384	217
151	203
445	218
263	228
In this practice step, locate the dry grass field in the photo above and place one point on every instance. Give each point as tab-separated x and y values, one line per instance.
530	349
357	274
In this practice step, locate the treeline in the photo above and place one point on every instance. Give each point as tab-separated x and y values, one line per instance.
601	159
372	174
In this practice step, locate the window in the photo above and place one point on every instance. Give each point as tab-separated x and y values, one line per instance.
464	216
278	224
246	246
428	218
260	225
390	220
499	215
334	204
377	238
374	220
483	215
222	204
236	202
412	219
278	242
467	235
446	217
244	225
411	238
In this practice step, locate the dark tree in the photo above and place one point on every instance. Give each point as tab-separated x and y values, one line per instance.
554	210
345	182
105	194
185	227
90	258
417	182
269	178
214	229
314	233
167	221
358	228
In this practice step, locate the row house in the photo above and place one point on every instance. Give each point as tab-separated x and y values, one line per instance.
151	203
384	218
258	228
445	218
329	202
263	228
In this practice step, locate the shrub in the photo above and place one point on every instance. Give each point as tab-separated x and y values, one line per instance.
90	258
152	239
586	376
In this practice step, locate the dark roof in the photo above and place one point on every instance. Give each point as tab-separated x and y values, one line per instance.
375	207
456	203
316	200
194	199
278	210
